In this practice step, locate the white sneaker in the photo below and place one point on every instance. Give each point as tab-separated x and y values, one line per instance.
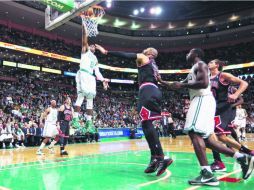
11	146
17	146
51	150
23	145
39	152
4	146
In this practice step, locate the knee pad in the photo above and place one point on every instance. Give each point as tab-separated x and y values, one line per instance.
89	104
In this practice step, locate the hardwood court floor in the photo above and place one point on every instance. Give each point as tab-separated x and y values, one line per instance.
111	165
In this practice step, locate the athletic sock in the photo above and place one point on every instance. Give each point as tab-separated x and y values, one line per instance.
244	150
208	168
42	146
238	155
52	144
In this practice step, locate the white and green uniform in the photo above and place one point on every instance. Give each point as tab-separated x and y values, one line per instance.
200	116
86	82
240	119
50	129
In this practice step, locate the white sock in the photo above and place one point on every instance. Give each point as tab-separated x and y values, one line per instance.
42	146
208	168
238	155
89	117
52	144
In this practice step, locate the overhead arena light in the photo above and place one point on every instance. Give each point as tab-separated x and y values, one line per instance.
135	12
142	9
190	24
158	10
234	17
155	10
211	22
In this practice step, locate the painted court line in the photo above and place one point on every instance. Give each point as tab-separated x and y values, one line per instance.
220	177
4	188
168	174
53	161
84	163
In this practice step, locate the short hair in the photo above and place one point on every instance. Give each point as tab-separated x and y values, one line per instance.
220	63
200	53
151	51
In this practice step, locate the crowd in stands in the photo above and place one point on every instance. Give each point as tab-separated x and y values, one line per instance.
23	100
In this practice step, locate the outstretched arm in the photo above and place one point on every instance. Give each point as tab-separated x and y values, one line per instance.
140	57
85	45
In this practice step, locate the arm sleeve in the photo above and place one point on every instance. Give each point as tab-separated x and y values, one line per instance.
98	74
122	54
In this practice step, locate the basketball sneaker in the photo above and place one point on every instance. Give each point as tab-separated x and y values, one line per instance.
39	152
51	150
152	167
64	153
163	166
252	153
246	163
205	178
218	166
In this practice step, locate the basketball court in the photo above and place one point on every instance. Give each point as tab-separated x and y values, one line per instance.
110	165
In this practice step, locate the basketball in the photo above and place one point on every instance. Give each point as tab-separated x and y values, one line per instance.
89	12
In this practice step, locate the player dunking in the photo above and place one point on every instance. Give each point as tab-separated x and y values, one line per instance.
50	128
85	80
225	112
200	120
65	114
149	105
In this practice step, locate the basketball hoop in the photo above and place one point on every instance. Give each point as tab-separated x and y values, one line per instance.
90	18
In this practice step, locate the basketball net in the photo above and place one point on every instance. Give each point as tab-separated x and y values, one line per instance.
90	21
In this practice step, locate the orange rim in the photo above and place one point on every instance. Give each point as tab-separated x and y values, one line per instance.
84	13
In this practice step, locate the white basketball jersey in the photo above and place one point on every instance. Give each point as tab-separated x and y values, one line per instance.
192	77
52	116
88	61
240	113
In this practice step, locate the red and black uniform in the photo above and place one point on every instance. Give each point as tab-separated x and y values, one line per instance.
225	114
65	119
149	104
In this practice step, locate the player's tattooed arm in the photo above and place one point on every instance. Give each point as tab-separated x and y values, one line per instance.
116	53
232	79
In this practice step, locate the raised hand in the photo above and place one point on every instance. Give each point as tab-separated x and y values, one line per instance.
105	84
101	49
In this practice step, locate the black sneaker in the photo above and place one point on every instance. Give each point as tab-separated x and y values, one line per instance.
64	153
152	167
246	163
205	178
163	166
